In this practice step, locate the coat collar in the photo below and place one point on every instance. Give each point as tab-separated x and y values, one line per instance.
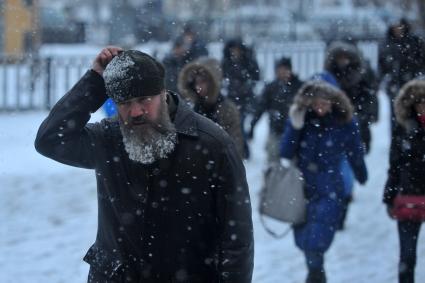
184	119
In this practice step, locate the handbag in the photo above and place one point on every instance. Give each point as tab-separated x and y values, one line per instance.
409	208
282	197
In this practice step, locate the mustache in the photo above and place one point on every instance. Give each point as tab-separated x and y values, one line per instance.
142	120
139	120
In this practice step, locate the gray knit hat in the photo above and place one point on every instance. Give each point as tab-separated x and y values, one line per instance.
133	74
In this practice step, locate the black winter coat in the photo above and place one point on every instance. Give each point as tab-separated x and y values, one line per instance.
197	49
357	80
173	65
363	95
241	75
276	98
186	218
406	174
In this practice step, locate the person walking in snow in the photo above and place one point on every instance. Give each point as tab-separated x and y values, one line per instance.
194	46
200	84
345	168
276	98
357	79
173	201
401	59
174	63
406	171
319	135
241	72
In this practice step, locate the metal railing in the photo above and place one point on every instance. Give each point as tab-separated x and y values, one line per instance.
31	83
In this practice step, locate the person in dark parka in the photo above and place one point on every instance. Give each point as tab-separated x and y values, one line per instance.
193	45
200	85
357	79
406	173
173	202
174	63
276	98
240	72
401	59
320	134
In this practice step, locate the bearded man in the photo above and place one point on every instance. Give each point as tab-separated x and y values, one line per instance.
173	201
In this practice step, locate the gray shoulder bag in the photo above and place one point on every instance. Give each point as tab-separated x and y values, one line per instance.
282	196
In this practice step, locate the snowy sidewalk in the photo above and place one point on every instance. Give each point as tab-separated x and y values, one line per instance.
48	217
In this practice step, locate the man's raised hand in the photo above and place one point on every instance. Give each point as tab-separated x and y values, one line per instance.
104	57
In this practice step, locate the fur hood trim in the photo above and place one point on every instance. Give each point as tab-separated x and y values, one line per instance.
338	48
411	93
207	66
311	90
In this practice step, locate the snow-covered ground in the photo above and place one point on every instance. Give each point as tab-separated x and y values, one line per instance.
48	216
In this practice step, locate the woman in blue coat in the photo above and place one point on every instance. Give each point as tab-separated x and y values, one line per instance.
320	134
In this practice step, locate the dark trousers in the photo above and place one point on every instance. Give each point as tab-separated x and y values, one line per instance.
245	110
408	235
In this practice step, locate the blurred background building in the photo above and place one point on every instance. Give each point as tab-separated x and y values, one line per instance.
25	24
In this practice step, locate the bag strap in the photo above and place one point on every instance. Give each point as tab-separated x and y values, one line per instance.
271	232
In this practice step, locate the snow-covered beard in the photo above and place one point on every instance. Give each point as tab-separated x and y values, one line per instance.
152	141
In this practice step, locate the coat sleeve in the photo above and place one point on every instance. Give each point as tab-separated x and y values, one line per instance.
233	127
355	153
235	242
254	70
370	102
393	179
64	135
385	59
290	141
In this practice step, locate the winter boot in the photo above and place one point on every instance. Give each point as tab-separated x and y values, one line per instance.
316	276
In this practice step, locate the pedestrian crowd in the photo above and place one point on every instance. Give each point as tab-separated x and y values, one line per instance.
173	198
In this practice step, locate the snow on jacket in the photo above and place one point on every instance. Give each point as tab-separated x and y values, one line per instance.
406	173
218	108
320	148
186	218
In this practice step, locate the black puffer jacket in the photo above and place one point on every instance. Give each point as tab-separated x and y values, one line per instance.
276	98
406	174
186	218
357	80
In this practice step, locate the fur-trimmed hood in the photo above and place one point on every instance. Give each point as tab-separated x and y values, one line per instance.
411	93
350	74
207	66
342	108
